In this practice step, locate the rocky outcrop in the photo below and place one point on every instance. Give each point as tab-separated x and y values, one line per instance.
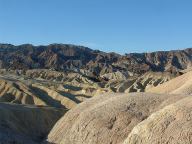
172	124
108	118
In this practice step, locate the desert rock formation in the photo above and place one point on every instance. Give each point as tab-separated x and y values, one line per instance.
94	63
108	118
172	124
178	85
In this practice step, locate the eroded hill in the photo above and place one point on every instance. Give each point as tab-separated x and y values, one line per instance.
179	85
24	124
108	118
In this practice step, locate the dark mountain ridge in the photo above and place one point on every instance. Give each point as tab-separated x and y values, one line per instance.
63	57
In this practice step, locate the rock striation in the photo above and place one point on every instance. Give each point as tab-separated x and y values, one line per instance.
178	85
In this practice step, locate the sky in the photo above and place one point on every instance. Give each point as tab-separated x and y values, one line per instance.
121	26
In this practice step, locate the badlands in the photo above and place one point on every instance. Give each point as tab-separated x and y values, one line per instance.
66	94
143	118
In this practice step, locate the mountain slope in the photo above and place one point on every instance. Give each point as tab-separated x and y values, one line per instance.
63	57
26	124
178	85
108	118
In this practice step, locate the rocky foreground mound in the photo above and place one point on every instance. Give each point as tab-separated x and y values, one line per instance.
109	119
24	124
171	125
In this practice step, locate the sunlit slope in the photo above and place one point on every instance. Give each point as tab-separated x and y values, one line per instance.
172	124
107	118
178	85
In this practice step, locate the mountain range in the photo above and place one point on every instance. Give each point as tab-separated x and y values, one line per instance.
63	57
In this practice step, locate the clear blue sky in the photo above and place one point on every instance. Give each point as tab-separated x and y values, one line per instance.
121	26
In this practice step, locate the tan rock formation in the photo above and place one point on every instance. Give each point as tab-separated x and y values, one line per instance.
108	118
179	85
171	125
